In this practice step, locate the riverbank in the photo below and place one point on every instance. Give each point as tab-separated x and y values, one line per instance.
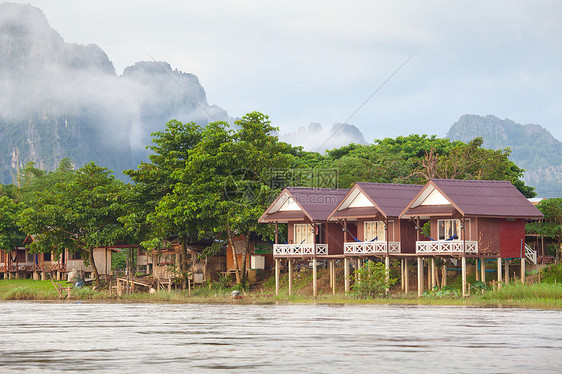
540	296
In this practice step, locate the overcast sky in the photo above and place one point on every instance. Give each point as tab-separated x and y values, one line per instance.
318	61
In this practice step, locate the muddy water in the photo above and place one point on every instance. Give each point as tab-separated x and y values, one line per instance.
155	338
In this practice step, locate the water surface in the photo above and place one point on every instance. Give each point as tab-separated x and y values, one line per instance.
145	338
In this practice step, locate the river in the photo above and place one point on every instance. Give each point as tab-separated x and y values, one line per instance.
155	338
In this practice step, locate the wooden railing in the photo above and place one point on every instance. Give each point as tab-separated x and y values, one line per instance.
300	249
447	246
376	247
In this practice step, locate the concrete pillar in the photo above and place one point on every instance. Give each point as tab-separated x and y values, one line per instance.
277	270
314	278
506	271
346	273
420	276
42	275
464	293
523	270
433	273
483	270
290	264
500	278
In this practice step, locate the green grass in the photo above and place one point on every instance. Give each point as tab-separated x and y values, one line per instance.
28	289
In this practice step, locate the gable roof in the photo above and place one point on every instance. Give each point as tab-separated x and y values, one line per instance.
299	203
474	198
387	198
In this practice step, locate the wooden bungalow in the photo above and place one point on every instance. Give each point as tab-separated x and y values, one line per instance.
309	234
471	218
369	215
260	256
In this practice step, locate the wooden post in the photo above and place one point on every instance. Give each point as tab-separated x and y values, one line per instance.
119	290
420	276
314	278
169	284
290	264
277	270
189	286
506	271
402	274
387	269
523	270
433	274
483	270
334	277
477	271
330	273
406	277
463	260
68	292
444	276
500	278
429	275
346	273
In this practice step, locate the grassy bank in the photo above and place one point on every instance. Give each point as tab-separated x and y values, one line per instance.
28	289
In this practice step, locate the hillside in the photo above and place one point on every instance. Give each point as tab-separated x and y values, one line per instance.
66	100
532	147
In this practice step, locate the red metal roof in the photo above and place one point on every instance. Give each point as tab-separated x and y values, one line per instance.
486	198
390	198
316	204
356	212
428	210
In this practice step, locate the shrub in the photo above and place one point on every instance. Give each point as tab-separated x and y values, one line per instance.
371	280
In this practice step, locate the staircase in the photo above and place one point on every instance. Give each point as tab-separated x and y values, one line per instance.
530	254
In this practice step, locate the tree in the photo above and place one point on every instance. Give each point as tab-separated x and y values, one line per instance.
551	226
78	214
11	235
152	210
225	185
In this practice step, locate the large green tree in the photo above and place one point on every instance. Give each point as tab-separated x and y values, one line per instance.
78	212
551	225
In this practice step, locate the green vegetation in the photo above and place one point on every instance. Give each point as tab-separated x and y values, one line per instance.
372	280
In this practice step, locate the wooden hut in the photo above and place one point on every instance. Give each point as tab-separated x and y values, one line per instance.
472	218
309	234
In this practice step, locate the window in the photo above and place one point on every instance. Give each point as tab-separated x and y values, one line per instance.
374	229
449	228
303	234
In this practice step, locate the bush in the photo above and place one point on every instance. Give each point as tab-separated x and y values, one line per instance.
371	280
552	274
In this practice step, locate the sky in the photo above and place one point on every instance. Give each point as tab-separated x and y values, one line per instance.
423	64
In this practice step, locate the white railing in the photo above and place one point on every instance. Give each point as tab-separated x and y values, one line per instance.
447	246
530	254
370	247
299	249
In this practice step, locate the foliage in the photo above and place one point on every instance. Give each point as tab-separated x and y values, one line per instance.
443	293
78	212
552	274
11	235
370	280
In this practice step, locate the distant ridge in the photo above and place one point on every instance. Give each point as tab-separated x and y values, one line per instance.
533	148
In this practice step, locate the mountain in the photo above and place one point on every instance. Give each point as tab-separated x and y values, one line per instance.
316	138
533	148
65	100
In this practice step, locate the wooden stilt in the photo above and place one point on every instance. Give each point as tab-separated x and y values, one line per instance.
420	276
402	275
523	270
334	277
477	271
406	277
346	273
330	273
433	274
500	278
277	270
506	271
290	263
463	260
444	276
483	270
314	278
387	268
428	275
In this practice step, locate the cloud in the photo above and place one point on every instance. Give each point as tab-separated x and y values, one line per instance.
316	138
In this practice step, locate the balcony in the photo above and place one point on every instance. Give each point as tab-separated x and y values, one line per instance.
376	247
300	249
446	246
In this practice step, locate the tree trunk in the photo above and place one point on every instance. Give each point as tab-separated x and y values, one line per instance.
245	256
183	263
233	248
94	267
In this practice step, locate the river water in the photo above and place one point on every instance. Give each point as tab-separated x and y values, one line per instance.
155	338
